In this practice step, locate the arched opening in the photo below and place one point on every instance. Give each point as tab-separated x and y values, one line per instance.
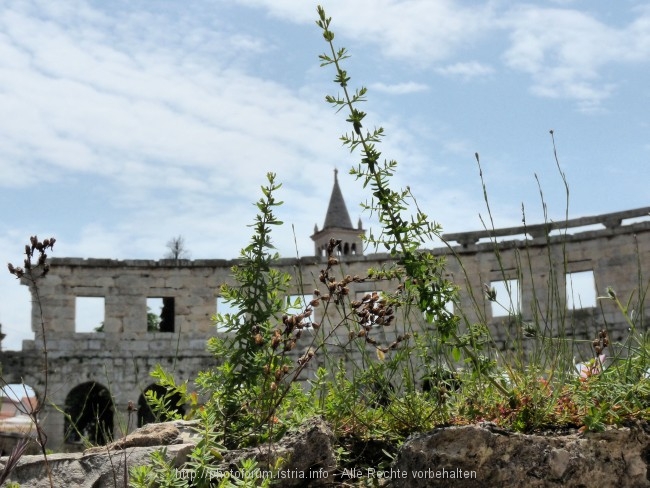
346	249
354	248
89	414
146	415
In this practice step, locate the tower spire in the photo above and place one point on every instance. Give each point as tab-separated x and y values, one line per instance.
338	226
337	213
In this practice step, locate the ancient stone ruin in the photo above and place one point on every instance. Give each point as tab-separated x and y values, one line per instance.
109	367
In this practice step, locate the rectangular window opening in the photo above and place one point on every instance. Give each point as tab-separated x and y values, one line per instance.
580	290
508	298
160	314
89	314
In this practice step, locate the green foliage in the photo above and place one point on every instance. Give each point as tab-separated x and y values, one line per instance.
153	321
253	378
158	474
207	451
165	408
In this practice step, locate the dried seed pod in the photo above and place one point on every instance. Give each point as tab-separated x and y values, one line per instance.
275	340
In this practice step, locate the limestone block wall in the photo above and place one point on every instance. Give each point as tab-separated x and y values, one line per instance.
614	247
125	286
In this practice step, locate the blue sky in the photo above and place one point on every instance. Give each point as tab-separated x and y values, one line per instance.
126	123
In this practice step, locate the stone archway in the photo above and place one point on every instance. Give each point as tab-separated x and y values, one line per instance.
89	414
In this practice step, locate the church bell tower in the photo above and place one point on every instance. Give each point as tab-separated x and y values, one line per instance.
338	226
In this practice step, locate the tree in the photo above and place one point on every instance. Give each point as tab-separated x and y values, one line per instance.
177	250
153	321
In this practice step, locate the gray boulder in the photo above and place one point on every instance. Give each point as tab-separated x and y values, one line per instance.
484	455
103	467
307	454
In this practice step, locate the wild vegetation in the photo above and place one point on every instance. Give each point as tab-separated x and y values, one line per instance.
438	367
466	378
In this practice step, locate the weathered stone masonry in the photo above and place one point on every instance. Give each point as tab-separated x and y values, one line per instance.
616	249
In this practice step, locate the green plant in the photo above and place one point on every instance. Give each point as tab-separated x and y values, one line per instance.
159	473
255	373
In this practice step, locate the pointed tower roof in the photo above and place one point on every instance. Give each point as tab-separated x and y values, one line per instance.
338	226
337	213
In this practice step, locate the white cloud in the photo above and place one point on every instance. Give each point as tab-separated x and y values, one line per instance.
567	51
466	70
421	31
400	88
77	102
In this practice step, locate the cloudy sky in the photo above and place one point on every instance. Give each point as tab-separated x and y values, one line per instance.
125	123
